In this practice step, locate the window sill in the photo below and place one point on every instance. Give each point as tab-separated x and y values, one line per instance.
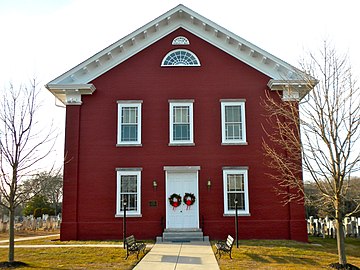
232	143
181	144
128	145
128	215
239	214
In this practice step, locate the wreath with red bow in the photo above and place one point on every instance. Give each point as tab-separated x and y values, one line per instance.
189	199
175	200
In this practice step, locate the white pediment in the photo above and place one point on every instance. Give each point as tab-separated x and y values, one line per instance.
178	17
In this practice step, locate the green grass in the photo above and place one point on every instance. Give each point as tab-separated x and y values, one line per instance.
281	255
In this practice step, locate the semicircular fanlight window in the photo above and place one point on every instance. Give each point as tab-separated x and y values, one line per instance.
180	57
180	40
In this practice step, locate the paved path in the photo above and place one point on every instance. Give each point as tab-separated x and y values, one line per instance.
179	256
162	256
29	238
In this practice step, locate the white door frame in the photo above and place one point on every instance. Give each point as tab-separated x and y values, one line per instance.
182	169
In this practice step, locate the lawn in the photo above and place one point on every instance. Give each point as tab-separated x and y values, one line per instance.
21	234
281	255
70	257
251	254
73	258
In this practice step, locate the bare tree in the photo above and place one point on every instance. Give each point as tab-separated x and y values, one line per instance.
324	133
319	206
22	146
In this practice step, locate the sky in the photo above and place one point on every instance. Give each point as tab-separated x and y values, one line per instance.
42	39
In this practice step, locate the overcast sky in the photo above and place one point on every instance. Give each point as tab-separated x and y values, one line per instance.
43	38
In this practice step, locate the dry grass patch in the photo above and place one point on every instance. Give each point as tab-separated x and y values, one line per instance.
281	255
28	233
73	258
85	257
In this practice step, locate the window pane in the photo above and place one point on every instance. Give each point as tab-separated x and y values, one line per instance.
233	123
181	57
235	189
231	201
128	183
233	131
228	114
131	202
128	190
181	114
235	182
185	114
232	114
177	115
129	133
181	132
129	115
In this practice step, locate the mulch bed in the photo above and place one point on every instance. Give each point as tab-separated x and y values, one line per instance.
347	267
15	264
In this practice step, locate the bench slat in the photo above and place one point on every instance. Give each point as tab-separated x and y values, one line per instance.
225	246
133	246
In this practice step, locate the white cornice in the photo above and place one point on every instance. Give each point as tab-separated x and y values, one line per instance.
178	17
70	94
292	89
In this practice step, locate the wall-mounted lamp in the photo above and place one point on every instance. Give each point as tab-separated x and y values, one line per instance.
155	184
208	184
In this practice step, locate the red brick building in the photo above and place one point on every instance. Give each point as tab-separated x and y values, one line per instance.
173	108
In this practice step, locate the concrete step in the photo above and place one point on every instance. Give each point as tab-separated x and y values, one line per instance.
181	235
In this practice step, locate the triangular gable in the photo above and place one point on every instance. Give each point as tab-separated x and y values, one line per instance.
75	82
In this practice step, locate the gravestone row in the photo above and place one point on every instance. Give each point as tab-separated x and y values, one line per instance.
325	227
46	223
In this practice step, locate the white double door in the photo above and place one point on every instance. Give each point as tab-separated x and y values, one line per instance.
183	216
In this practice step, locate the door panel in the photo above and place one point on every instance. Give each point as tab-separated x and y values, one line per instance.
180	183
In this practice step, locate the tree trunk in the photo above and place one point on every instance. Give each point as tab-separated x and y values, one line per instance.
340	238
11	235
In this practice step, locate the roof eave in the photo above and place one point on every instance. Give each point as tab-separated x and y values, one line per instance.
70	94
293	90
184	17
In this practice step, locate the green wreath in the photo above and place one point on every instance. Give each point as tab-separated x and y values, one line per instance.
189	199
175	200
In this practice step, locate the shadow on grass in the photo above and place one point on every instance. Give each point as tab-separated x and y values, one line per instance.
257	258
280	259
12	265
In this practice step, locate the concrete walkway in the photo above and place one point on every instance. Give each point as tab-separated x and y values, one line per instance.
4	243
29	238
162	256
179	256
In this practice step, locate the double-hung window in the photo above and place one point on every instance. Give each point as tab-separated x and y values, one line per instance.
129	190
233	122
129	122
236	189
181	122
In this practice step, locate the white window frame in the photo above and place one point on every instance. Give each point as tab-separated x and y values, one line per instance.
124	172
180	60
244	172
184	103
224	104
180	40
132	104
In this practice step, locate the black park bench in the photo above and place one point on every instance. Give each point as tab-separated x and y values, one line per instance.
133	246
225	246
